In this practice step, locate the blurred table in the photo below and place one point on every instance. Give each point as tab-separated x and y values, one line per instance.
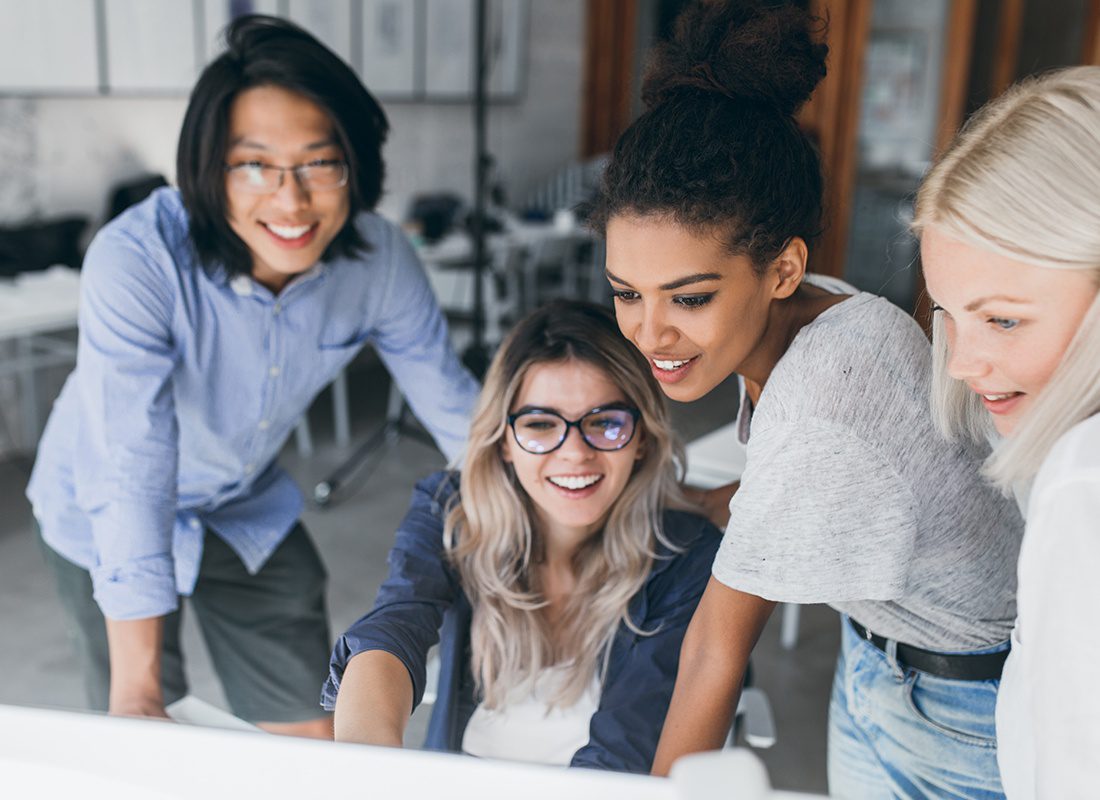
34	308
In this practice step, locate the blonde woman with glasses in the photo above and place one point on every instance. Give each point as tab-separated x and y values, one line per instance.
560	577
1009	221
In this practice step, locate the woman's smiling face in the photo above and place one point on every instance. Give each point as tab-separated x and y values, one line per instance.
1008	323
696	312
573	487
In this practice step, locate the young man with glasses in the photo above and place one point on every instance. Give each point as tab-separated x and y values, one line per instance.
211	316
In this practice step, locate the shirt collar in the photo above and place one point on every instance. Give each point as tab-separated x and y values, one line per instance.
246	286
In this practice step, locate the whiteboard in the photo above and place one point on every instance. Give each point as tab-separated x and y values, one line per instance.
449	49
389	36
329	21
151	45
48	46
219	13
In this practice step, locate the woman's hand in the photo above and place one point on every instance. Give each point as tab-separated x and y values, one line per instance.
715	503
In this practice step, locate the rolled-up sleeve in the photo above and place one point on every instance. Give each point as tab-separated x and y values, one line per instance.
419	589
412	340
127	441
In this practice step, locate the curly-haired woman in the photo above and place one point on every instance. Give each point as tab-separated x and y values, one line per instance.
711	203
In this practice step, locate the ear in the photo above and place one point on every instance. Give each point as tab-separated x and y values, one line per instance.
643	445
789	268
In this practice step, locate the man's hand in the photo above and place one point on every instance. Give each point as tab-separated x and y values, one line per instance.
135	647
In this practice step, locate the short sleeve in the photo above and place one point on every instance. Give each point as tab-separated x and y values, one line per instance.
820	517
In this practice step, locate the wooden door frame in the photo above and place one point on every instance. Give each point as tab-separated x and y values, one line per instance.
610	33
832	119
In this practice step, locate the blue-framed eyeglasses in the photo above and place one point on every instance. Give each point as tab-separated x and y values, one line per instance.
541	431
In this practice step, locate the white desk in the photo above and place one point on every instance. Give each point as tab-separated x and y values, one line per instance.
33	308
64	754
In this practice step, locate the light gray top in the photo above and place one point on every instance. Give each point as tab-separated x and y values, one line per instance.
850	497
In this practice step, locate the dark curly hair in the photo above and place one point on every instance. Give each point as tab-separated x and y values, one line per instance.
718	149
267	51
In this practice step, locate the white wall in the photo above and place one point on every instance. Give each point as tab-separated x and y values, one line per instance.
80	147
62	155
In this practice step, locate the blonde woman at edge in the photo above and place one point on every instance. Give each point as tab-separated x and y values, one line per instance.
1009	221
558	580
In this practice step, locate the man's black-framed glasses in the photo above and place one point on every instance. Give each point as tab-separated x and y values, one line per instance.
541	431
256	178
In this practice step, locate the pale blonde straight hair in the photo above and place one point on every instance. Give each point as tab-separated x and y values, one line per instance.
490	533
1022	179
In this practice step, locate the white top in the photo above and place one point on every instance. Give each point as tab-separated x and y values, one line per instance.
1048	708
850	497
527	729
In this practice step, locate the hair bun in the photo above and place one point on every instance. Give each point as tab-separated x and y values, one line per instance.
770	56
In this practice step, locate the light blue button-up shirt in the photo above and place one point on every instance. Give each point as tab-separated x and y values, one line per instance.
187	385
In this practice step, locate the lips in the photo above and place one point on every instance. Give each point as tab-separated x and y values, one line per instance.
291	235
671	370
1000	402
575	487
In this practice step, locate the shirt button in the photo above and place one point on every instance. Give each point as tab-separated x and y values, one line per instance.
274	372
249	469
241	285
278	309
195	524
264	424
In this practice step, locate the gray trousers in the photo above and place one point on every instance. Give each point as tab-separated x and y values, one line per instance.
267	634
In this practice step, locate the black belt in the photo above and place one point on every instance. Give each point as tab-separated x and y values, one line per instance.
979	667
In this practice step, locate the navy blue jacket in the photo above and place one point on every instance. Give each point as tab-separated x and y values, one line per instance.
422	602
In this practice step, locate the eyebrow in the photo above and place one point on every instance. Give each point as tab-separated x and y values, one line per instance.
679	283
318	145
534	407
974	305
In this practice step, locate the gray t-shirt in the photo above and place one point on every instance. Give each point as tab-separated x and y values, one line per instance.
850	497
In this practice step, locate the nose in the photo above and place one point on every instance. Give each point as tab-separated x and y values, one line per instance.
290	195
575	448
652	333
965	360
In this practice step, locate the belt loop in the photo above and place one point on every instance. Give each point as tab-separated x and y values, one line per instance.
891	651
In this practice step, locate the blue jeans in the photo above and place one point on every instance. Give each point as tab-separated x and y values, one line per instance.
900	733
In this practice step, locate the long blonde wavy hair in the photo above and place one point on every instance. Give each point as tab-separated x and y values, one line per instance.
492	541
1021	180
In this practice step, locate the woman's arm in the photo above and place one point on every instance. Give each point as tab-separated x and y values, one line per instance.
375	700
377	672
713	659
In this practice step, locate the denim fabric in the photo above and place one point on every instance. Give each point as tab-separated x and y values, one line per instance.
896	732
422	602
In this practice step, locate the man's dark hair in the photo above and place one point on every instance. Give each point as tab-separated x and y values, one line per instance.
266	51
718	149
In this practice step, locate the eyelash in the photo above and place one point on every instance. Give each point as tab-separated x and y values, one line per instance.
689	301
1004	323
693	300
